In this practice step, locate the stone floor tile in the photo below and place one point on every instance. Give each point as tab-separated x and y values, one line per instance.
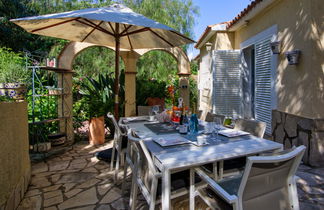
87	197
309	179
52	194
55	177
101	165
76	177
78	166
51	188
33	192
104	207
91	207
71	193
39	167
58	166
318	171
51	208
111	196
102	189
90	169
78	161
120	204
303	167
89	183
43	174
40	182
68	186
53	201
310	206
31	203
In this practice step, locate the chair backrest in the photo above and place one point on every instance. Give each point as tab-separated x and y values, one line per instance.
202	114
267	181
210	117
144	110
118	131
254	127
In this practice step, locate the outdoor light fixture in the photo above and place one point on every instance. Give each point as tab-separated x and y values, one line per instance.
275	47
208	46
293	57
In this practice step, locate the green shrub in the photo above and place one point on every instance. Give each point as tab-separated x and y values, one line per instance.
12	67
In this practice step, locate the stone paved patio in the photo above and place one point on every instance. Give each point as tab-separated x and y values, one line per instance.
77	180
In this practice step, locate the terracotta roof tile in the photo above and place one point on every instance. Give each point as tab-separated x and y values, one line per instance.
243	13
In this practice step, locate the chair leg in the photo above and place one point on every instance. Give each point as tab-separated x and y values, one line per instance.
192	189
124	179
221	170
153	193
112	158
116	169
133	194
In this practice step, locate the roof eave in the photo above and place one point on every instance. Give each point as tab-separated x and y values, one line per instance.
244	20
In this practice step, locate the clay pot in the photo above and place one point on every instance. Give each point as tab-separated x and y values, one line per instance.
97	130
156	101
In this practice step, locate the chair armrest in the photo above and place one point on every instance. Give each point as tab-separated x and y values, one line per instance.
216	187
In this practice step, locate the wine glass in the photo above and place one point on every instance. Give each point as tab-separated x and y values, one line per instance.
217	126
155	109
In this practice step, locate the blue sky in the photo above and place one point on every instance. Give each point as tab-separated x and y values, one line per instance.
214	11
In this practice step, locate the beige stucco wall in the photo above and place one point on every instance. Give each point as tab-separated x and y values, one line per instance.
14	153
223	41
300	26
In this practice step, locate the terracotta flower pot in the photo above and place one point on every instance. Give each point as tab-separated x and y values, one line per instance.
156	101
97	130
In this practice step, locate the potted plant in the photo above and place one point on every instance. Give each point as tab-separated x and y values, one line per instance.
13	74
99	96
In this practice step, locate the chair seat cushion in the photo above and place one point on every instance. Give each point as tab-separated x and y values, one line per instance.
231	185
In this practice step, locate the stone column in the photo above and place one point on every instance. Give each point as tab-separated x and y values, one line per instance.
184	87
65	106
130	59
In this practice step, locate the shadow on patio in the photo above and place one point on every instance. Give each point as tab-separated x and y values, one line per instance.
78	180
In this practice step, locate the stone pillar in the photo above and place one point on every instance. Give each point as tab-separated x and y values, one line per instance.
130	59
65	106
184	91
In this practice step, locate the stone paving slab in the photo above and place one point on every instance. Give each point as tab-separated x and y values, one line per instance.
77	180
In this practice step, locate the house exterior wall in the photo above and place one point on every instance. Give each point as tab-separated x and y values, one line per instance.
14	154
223	41
204	77
298	86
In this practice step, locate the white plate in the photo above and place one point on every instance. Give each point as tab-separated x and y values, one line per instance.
232	133
171	140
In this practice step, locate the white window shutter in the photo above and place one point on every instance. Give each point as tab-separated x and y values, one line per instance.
227	84
263	106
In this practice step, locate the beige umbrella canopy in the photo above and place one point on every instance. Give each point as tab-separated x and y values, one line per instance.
116	26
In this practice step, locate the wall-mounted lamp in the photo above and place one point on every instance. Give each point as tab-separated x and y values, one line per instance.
208	46
293	56
275	47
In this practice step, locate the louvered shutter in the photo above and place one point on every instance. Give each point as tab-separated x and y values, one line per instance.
263	99
227	85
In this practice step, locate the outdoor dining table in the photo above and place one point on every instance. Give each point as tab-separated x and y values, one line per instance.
185	156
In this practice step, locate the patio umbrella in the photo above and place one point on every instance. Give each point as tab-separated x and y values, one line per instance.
116	26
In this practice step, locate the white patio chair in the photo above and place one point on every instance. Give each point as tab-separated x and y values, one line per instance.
145	176
254	127
210	117
119	146
268	183
144	110
236	166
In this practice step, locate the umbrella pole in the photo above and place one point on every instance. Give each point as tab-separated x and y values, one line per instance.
117	49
